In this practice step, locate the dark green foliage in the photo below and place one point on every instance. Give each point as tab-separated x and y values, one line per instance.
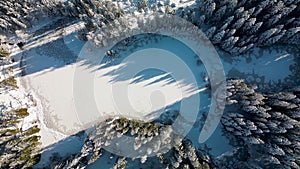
19	149
4	53
11	81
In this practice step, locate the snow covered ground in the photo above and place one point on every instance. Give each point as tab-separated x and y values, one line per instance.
12	98
50	79
50	62
56	81
261	67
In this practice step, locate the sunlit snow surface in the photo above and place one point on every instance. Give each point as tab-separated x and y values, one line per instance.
50	74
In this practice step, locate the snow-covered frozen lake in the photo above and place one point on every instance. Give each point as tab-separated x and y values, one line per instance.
149	76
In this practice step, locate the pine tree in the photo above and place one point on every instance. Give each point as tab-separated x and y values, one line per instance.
220	13
256	27
230	32
231	5
201	20
239	23
274	39
218	37
229	43
208	7
249	24
274	20
265	35
210	32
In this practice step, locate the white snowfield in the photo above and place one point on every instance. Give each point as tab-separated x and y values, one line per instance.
50	84
53	88
15	98
124	97
64	95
